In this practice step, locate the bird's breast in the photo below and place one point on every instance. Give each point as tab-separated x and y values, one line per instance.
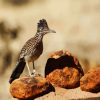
38	51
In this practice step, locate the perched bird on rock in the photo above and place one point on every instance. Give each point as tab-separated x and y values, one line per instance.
31	51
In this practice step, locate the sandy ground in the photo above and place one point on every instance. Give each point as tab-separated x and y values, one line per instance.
69	94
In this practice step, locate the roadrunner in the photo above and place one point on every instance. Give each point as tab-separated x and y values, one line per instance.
31	51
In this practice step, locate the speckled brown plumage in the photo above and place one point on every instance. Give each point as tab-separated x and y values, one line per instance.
31	50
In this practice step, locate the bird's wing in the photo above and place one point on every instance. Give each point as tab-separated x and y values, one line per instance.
28	48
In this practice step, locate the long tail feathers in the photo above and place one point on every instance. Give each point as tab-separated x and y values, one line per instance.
18	70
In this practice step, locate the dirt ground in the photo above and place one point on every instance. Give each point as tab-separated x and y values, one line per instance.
69	94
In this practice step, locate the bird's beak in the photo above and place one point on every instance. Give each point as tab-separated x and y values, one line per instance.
51	31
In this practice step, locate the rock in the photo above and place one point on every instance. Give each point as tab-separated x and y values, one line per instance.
91	80
66	77
61	59
28	87
58	74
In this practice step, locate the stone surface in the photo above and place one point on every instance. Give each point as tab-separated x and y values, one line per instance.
91	80
61	59
28	87
68	94
66	77
64	70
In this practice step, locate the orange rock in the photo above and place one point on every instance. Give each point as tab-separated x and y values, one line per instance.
28	87
66	77
58	74
56	54
91	81
60	59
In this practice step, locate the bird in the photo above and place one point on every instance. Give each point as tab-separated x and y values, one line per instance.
31	51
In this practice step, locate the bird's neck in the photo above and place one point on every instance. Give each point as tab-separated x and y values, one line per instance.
39	36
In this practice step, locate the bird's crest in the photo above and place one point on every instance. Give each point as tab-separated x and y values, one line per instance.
42	25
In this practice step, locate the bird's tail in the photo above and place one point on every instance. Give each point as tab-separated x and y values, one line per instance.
18	70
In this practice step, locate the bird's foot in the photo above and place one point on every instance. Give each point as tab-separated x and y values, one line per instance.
35	73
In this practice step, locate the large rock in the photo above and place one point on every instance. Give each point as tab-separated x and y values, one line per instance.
63	69
91	81
66	77
28	87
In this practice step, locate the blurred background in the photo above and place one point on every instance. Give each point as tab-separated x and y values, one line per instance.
77	27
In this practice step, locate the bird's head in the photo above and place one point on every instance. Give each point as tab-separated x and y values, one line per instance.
42	27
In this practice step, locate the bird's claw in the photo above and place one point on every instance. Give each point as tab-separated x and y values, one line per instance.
34	73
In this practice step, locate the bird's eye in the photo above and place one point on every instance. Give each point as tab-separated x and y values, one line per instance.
41	29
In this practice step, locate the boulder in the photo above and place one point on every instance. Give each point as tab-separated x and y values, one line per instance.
91	80
64	70
29	87
66	77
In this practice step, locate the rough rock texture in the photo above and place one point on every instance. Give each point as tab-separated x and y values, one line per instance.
63	69
68	94
66	77
28	87
91	81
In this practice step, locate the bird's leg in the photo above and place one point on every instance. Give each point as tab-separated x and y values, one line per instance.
34	71
28	68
